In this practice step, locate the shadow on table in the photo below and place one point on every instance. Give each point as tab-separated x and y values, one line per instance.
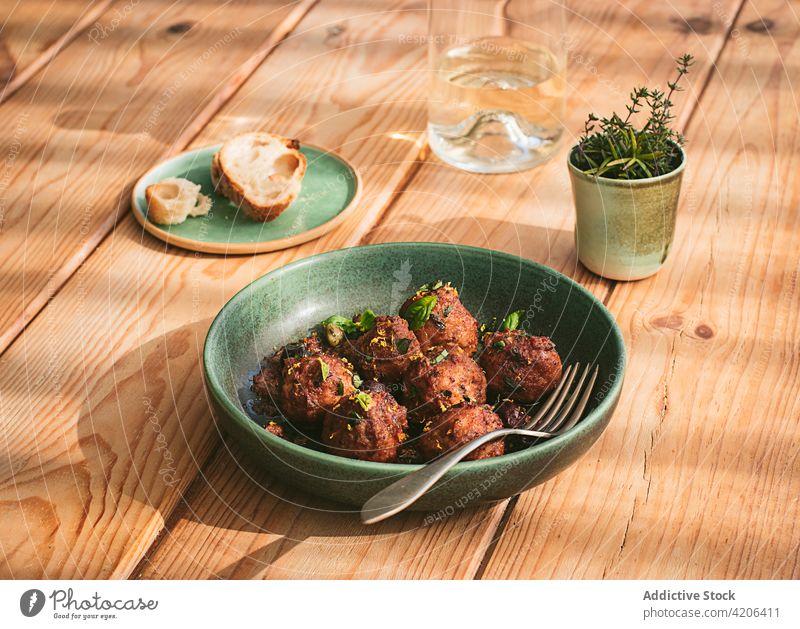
237	497
147	439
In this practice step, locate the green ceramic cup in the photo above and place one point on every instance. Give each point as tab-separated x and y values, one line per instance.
284	304
624	229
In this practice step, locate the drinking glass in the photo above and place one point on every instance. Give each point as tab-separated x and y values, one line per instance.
497	72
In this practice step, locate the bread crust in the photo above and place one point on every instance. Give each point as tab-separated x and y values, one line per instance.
230	189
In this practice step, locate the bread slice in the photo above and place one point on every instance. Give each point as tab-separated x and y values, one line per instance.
260	172
169	202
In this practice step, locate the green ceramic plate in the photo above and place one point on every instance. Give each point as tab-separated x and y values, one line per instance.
330	189
284	304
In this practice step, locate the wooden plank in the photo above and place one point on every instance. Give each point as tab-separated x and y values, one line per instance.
230	526
119	379
34	31
104	108
698	475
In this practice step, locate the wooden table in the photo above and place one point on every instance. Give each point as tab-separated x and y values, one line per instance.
101	326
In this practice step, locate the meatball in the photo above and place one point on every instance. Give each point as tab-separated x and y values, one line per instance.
386	351
309	346
443	379
267	382
458	426
513	415
313	384
393	388
449	325
276	429
520	367
365	425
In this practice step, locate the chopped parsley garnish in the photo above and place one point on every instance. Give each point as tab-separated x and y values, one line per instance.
323	367
511	322
431	286
340	388
444	353
343	322
402	345
357	381
364	400
365	322
499	344
418	312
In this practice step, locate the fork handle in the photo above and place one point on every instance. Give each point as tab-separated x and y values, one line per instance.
403	493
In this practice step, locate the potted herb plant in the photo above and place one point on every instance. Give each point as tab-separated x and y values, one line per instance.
626	181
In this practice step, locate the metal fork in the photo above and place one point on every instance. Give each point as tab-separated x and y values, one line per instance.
555	417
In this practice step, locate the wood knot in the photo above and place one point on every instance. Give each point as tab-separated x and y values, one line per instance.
672	322
763	25
699	24
703	331
179	27
333	31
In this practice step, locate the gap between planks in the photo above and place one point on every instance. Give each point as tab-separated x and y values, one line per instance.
94	240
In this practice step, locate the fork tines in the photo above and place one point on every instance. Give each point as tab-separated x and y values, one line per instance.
559	413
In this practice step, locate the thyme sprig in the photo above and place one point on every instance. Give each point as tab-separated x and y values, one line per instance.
614	148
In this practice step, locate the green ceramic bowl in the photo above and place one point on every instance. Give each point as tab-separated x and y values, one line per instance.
282	305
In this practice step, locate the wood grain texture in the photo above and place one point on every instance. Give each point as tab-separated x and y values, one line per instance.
239	526
58	495
698	475
119	379
34	31
122	424
210	535
111	103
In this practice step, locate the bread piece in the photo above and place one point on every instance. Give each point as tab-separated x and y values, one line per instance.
260	172
169	202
